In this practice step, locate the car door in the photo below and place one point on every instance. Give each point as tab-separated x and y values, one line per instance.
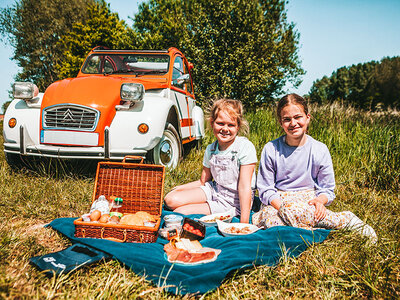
182	93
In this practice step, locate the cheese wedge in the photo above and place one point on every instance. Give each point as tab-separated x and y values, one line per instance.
186	244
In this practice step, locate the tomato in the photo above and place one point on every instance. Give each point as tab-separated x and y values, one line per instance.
198	232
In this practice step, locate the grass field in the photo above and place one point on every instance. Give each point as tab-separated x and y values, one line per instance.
365	149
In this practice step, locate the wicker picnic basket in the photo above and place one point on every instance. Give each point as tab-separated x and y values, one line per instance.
140	186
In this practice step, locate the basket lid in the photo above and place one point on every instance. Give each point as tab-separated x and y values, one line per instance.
141	186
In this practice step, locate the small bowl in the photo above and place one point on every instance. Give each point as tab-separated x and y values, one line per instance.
191	235
240	227
211	220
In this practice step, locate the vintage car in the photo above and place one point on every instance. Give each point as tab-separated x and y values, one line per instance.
122	102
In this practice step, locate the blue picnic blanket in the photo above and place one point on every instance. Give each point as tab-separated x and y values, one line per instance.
264	247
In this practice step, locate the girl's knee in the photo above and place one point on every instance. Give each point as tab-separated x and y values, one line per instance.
297	214
179	210
171	200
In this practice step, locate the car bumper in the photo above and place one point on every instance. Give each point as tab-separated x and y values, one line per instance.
99	153
70	152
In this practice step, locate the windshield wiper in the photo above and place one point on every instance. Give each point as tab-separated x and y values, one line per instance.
135	72
153	71
120	71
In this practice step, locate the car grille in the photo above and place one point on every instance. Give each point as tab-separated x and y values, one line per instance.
71	117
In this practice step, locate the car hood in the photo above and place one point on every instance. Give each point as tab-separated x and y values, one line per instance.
96	91
99	92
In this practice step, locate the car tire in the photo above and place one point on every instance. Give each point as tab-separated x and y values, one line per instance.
168	152
14	161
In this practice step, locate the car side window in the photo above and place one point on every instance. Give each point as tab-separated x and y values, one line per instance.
178	70
108	66
92	65
189	84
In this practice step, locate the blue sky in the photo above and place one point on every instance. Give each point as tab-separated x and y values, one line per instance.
333	34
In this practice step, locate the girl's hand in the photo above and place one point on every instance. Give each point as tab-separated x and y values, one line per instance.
320	209
276	203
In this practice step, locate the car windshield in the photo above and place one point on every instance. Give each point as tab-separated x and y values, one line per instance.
137	64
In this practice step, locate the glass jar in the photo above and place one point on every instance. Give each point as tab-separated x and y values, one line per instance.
116	207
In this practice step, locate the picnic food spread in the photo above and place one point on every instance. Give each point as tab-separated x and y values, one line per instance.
127	205
109	214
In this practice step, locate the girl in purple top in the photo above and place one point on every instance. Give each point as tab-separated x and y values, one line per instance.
296	178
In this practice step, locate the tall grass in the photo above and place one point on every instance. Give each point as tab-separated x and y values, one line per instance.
365	152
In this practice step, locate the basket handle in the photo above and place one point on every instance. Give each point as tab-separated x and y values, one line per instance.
113	239
134	157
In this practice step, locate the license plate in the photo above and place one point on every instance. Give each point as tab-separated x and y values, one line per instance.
73	138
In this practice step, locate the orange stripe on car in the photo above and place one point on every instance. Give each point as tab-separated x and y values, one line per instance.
187	122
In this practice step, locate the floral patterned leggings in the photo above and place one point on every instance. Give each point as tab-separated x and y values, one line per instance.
295	211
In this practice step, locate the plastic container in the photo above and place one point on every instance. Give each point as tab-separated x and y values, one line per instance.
169	232
173	220
172	226
116	207
189	234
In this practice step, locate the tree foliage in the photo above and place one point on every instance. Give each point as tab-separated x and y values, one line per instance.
102	27
241	49
34	28
371	85
5	106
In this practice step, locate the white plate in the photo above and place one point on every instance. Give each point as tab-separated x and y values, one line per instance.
210	220
223	227
216	251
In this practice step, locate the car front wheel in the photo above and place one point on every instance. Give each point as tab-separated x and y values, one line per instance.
14	161
168	151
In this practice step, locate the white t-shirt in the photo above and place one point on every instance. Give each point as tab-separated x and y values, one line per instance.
246	154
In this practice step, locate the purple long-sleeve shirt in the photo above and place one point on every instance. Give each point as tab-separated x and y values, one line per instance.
286	168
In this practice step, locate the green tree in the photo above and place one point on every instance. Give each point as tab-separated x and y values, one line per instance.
372	85
241	49
5	106
320	90
387	83
101	28
34	28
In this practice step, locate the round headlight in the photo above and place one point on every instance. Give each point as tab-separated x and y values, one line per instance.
12	122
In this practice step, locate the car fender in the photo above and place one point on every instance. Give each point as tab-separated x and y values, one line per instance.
198	119
28	117
153	111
